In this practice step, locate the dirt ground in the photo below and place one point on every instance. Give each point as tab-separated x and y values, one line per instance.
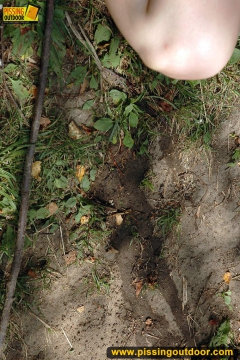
178	278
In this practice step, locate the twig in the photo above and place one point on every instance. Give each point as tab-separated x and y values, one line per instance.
41	321
106	74
63	247
25	191
71	347
5	82
152	336
85	42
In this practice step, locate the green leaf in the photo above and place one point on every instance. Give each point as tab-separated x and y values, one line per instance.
84	210
88	104
93	174
42	213
113	47
79	73
227	300
85	183
78	217
235	57
22	43
128	140
32	214
128	109
194	83
114	133
10	68
93	83
71	202
117	96
112	59
19	89
61	183
7	204
103	124
133	119
102	34
9	238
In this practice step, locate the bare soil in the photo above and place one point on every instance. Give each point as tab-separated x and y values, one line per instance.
177	278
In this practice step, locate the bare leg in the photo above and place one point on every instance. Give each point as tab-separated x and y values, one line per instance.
183	39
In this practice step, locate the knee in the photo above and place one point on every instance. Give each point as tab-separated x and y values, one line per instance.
199	59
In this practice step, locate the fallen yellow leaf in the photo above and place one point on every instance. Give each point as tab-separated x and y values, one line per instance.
227	277
84	219
36	169
80	172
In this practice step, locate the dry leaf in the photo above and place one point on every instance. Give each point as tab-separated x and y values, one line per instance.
83	86
44	122
33	91
84	219
69	52
237	140
80	309
227	277
165	104
70	257
90	259
213	322
80	172
24	30
32	274
87	129
73	131
36	169
52	208
138	287
119	219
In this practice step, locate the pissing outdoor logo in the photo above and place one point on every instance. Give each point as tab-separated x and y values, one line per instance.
23	14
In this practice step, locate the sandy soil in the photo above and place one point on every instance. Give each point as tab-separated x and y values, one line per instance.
180	277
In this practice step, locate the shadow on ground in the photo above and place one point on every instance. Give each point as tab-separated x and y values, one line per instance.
163	292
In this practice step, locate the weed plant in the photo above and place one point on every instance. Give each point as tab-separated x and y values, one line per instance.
223	337
168	221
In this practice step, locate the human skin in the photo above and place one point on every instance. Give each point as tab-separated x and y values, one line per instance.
183	39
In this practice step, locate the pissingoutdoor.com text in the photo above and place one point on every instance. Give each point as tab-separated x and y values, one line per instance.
163	353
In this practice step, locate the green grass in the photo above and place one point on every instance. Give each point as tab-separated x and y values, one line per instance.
168	221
